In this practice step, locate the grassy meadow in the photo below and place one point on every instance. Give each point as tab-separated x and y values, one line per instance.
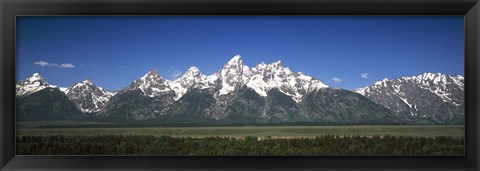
258	131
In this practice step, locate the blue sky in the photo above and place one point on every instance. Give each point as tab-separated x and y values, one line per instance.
342	51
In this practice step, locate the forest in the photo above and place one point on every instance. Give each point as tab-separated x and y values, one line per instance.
327	145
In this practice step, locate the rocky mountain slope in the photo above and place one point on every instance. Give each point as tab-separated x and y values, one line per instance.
426	98
87	96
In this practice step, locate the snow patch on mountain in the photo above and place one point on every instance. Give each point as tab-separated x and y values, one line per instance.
193	78
32	84
233	75
266	77
439	84
88	97
151	84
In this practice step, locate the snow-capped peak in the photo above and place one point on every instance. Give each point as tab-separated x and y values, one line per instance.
37	79
88	97
192	71
151	84
437	79
83	83
437	83
418	96
32	84
361	91
270	76
381	82
237	59
192	78
87	82
151	75
277	64
261	78
233	75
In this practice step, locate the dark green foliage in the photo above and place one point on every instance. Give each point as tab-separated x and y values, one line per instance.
48	104
165	145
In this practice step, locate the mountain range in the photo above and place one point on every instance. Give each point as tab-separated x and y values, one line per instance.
238	94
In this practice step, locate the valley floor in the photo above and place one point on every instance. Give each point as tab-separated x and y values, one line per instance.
258	131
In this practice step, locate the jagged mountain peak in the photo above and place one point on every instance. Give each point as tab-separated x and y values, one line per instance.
277	64
35	79
152	74
87	81
237	59
235	64
233	75
193	75
87	96
84	83
151	84
429	76
276	76
436	79
31	84
426	80
192	71
192	78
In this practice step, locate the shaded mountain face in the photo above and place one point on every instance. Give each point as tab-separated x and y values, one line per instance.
343	106
88	97
48	104
143	99
196	106
426	98
36	100
134	106
243	105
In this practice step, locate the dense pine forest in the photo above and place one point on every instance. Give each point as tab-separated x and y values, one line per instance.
166	145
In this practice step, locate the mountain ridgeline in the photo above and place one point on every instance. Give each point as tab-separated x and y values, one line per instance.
238	94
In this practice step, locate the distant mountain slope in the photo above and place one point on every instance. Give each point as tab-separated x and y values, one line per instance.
87	96
343	106
145	98
48	104
426	98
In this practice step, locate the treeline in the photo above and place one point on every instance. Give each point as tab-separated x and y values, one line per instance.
165	145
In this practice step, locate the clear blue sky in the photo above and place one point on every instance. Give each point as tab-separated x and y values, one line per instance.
113	51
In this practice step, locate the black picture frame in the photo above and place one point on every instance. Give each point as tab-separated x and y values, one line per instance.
11	8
